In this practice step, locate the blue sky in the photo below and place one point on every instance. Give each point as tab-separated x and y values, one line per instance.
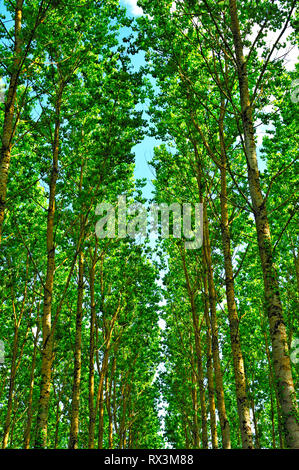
144	151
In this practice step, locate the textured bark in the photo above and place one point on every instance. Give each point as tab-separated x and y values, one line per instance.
101	419
225	430
8	123
238	362
92	418
74	429
203	407
211	388
100	401
12	379
280	352
274	386
47	350
108	395
91	376
14	363
126	390
108	331
198	351
14	420
27	432
195	430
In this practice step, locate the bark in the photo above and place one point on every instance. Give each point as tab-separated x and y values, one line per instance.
274	386
100	401
280	352
92	418
14	363
11	389
74	429
14	420
30	394
108	403
47	350
238	362
211	388
195	430
225	430
108	331
198	356
101	419
8	124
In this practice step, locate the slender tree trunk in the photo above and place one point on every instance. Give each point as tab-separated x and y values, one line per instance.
57	422
203	407
8	124
198	355
225	431
239	371
30	394
108	408
210	374
196	440
100	401
108	403
14	420
73	443
92	417
101	419
47	351
281	359
11	388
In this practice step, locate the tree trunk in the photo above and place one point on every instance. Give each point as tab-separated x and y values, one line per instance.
281	359
239	372
47	351
198	355
30	395
225	431
210	374
92	418
8	124
195	430
11	388
73	443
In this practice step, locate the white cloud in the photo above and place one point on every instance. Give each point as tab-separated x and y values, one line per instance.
134	8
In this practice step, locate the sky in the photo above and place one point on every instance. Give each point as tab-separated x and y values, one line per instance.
143	151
